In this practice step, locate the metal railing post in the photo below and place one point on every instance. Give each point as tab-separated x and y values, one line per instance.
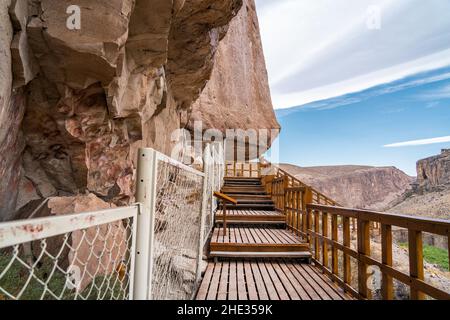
206	160
146	195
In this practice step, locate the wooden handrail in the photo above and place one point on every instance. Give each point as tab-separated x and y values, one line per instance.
243	169
224	198
319	215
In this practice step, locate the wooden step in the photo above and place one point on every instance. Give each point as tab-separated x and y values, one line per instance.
253	219
257	242
238	196
243	191
241	179
259	255
250	206
258	247
254	201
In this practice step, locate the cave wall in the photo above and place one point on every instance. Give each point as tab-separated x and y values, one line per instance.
76	104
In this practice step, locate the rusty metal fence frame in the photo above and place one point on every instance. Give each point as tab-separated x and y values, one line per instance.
18	234
141	240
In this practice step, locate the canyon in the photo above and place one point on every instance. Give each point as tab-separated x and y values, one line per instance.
361	187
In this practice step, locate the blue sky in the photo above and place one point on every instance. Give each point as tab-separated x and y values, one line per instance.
369	94
358	128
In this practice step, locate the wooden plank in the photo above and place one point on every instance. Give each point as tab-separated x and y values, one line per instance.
289	288
284	236
294	281
320	291
237	235
249	235
282	294
387	288
363	249
232	286
268	235
223	282
243	235
435	226
262	235
324	243
336	292
259	247
255	235
259	282
203	290
242	290
298	274
251	286
317	246
415	249
347	243
271	291
334	250
214	286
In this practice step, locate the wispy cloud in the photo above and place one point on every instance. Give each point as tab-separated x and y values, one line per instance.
406	83
432	104
321	49
437	94
420	142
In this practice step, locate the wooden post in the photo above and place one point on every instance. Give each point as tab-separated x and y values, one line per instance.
334	236
307	198
325	242
386	249
347	244
364	249
224	212
415	261
317	230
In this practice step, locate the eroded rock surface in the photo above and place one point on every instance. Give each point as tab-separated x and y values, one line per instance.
434	172
356	186
76	104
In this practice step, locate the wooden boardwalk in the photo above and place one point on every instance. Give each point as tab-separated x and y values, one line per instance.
266	280
259	258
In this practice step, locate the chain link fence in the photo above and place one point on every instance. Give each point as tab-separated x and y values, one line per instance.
148	251
72	257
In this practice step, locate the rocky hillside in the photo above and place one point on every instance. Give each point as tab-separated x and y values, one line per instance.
430	196
434	172
76	104
355	186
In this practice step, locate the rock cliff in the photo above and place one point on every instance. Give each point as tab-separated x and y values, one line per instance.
434	172
430	196
76	104
356	186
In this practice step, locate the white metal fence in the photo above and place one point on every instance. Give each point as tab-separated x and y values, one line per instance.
81	256
152	250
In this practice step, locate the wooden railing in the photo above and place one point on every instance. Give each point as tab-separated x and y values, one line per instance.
323	225
317	197
224	199
329	228
243	169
